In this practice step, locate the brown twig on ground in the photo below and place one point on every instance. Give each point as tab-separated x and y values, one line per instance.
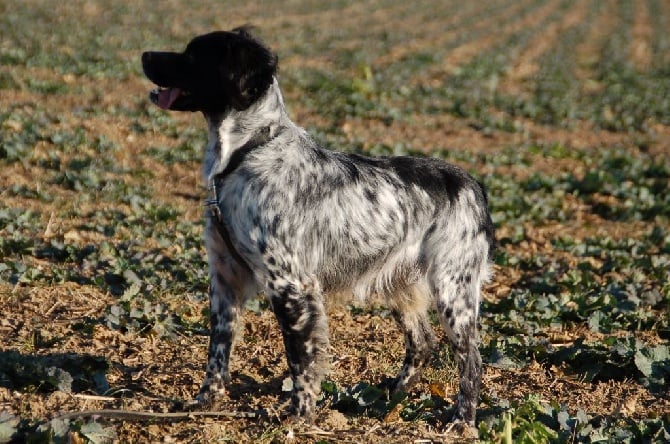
130	415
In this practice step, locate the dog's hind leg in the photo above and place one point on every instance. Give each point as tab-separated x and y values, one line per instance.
458	306
230	285
410	311
300	312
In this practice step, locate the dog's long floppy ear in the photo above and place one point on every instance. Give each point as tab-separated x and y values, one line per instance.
256	67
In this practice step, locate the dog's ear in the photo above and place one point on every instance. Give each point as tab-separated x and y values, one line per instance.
256	67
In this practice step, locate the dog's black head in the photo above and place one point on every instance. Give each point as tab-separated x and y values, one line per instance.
216	73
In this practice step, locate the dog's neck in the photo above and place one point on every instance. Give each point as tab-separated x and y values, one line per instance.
232	131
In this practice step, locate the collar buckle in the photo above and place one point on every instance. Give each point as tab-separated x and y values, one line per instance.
212	203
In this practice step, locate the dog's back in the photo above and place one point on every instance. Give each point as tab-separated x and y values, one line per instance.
366	225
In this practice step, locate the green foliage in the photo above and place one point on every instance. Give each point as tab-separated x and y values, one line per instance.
609	359
64	431
340	97
21	127
373	401
144	252
64	372
140	314
520	424
531	420
638	184
616	359
362	398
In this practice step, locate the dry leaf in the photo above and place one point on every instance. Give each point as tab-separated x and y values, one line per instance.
437	389
394	414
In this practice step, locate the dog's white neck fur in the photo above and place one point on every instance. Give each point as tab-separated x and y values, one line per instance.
230	132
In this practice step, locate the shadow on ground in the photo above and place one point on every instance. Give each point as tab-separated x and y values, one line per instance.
67	372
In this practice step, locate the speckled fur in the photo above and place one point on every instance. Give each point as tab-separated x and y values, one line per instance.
304	222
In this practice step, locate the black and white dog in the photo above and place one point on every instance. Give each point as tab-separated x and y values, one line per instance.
300	222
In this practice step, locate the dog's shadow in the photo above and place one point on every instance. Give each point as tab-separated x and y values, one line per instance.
362	399
244	386
67	372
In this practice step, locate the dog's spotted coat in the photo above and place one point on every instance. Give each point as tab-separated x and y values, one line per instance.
301	222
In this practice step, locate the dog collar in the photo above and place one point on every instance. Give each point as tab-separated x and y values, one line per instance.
212	202
262	136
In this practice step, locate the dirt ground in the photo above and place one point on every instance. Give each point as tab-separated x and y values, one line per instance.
64	323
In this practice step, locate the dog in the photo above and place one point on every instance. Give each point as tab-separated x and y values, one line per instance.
301	223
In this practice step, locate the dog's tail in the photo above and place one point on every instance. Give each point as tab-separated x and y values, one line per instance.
486	223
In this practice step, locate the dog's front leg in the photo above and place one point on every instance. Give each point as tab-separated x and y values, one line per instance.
227	292
302	319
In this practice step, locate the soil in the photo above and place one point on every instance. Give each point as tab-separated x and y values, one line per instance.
158	374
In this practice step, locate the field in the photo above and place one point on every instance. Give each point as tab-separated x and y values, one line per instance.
560	107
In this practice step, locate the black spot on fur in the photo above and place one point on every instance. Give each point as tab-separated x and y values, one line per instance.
435	177
370	195
464	279
432	175
274	226
262	246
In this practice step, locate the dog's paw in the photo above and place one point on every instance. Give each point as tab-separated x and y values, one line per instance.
211	394
462	429
292	412
290	416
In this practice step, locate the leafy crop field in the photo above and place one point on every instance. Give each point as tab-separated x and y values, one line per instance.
561	107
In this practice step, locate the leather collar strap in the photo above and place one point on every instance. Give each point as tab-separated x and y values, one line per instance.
212	203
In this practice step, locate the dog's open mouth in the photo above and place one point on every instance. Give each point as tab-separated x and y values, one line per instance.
165	97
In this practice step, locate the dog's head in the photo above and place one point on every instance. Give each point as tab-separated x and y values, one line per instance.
216	73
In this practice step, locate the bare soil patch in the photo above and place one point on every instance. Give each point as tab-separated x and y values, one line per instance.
99	191
642	34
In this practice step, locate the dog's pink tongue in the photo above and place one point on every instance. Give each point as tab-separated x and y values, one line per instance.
166	97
